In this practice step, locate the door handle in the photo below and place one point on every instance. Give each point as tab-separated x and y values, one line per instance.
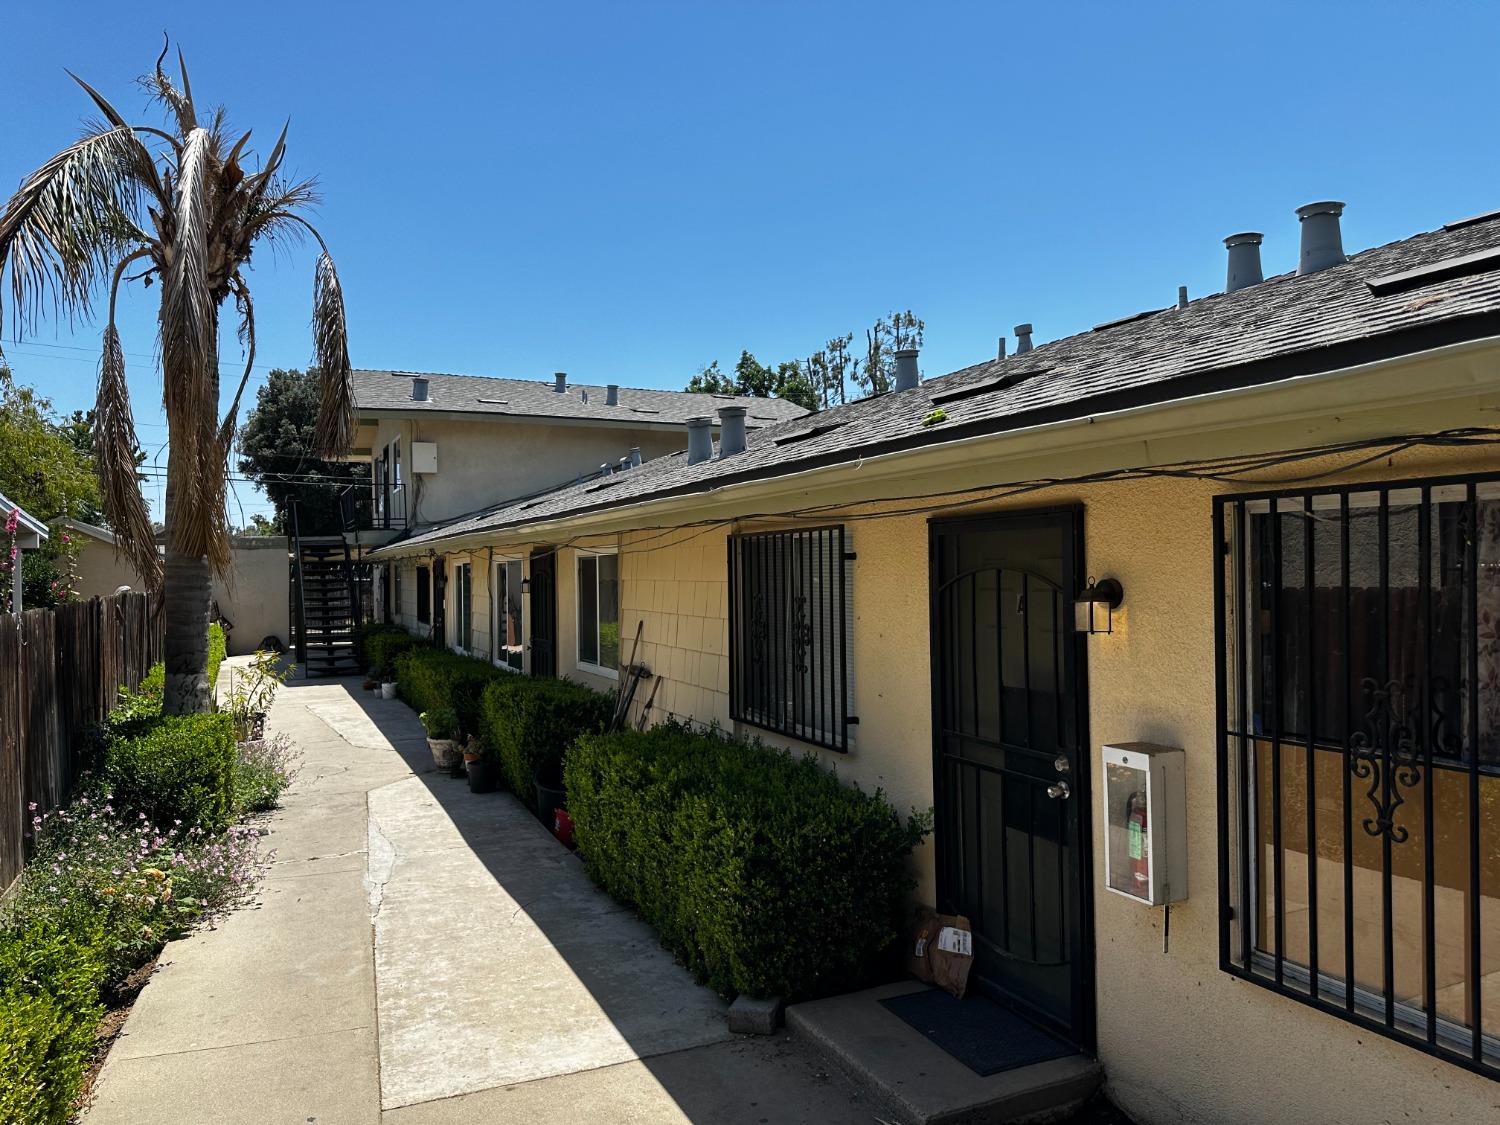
1059	791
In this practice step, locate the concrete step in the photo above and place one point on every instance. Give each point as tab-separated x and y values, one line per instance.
918	1082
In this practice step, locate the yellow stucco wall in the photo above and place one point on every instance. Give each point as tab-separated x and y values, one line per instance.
1180	1040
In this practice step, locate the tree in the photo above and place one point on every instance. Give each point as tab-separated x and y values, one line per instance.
42	467
260	524
751	377
883	340
278	446
179	206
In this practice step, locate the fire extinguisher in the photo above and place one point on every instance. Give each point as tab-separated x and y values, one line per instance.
1135	829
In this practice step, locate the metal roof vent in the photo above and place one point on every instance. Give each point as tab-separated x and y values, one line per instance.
1244	260
906	369
612	395
1182	298
731	430
418	388
635	457
1002	348
1023	339
1322	241
700	439
606	470
561	386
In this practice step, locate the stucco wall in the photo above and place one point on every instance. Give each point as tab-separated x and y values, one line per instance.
484	462
254	597
99	571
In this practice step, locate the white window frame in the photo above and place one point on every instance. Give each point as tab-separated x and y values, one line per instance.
455	593
611	673
497	615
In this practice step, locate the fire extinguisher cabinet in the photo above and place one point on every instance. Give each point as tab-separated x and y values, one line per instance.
1145	829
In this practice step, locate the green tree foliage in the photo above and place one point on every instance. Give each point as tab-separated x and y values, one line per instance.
751	377
277	448
828	377
46	462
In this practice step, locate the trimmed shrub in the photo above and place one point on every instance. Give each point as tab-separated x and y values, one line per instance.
49	1006
171	768
761	871
381	644
217	649
528	724
429	679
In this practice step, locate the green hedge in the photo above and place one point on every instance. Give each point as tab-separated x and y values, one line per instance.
217	649
49	1006
762	872
175	767
380	650
528	723
428	679
379	645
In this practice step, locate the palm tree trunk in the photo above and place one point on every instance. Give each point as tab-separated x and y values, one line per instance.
186	591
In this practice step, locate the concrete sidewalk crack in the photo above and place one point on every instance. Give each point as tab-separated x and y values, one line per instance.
381	863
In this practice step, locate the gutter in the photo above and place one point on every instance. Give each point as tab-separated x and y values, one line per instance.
1228	386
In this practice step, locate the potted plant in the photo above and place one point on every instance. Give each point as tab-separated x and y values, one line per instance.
481	765
372	680
550	794
251	691
441	725
388	689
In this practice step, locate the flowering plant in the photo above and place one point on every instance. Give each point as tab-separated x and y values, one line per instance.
144	883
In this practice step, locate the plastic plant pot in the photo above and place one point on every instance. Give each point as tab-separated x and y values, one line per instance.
550	796
482	774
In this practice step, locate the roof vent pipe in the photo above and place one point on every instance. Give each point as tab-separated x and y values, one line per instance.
1244	260
561	387
606	470
1023	338
1002	348
418	389
1182	301
1322	242
731	430
612	395
906	369
700	439
635	457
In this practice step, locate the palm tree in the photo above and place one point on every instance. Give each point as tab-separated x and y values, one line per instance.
179	207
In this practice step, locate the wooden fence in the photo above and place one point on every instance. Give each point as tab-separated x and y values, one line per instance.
60	670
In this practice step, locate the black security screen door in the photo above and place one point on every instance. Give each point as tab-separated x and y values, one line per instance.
1011	784
544	612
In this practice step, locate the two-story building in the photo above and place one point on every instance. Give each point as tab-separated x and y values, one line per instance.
1252	539
444	446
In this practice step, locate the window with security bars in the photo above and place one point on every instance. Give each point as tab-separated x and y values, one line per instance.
789	623
1359	756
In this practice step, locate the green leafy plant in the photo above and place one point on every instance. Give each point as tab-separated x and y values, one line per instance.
440	722
529	723
381	644
179	768
761	871
263	770
252	691
49	1003
218	648
428	678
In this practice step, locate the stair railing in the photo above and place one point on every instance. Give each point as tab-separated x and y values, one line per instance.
299	597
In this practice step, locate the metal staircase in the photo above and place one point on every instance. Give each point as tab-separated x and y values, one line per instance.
327	602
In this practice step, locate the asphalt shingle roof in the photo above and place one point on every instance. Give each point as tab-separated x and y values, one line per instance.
1285	326
477	394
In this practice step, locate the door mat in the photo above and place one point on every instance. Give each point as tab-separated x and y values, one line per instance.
977	1032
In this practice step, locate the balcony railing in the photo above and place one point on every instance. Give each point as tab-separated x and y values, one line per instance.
360	512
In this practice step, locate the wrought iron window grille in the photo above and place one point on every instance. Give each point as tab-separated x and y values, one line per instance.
1358	692
789	615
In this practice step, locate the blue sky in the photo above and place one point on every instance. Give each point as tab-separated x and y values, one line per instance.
628	191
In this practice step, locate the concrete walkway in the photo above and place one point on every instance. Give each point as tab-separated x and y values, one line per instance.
422	954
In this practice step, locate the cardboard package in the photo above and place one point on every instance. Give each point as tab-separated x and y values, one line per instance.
941	951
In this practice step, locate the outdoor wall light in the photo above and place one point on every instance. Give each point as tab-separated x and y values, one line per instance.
1094	609
525	586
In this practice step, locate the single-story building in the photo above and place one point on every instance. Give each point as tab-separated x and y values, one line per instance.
1185	628
23	532
253	599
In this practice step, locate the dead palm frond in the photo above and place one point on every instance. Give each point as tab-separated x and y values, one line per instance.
181	204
